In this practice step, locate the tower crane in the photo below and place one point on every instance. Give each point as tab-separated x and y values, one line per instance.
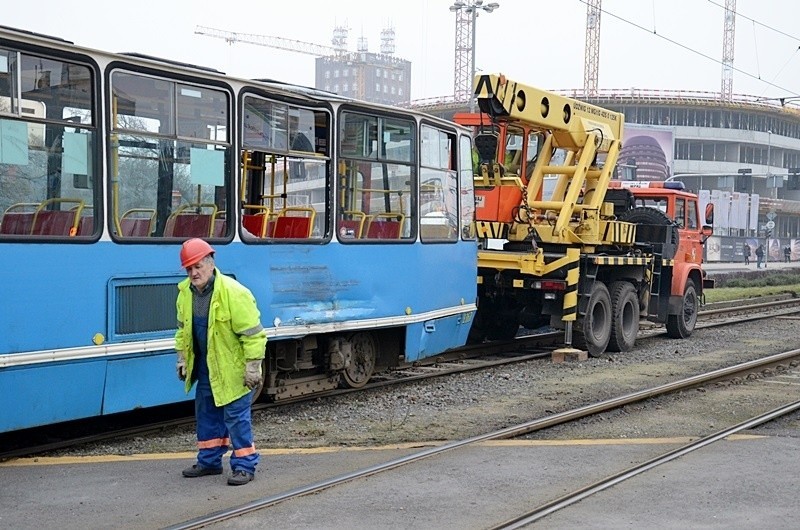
338	53
339	41
591	65
727	50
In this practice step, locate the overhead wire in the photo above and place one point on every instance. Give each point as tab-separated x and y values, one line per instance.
738	14
690	49
771	28
755	47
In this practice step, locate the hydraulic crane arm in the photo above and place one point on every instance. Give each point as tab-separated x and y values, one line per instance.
586	132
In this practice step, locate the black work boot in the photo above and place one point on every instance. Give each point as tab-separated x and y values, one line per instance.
197	471
240	477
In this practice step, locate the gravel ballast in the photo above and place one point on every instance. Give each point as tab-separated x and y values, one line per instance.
464	405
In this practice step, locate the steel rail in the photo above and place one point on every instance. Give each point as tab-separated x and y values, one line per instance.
459	355
790	302
612	480
508	432
466	352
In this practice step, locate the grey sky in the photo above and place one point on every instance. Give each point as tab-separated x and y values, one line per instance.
537	42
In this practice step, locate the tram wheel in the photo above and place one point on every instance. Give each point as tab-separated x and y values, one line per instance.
682	325
624	317
364	352
594	328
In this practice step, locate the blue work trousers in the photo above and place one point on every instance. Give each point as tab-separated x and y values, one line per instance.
218	427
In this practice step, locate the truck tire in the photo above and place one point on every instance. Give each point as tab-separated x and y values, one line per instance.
647	215
682	325
624	317
593	330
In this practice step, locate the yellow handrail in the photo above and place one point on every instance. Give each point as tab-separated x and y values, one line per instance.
78	208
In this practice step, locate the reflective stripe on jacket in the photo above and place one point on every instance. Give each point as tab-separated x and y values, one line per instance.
235	336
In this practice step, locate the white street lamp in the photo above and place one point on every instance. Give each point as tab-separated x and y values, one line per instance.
472	7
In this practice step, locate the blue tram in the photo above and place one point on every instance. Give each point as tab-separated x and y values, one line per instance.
350	222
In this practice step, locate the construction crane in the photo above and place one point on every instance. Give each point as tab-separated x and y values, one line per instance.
359	62
727	50
591	65
339	41
467	12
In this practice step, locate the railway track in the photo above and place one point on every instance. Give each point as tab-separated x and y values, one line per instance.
539	512
791	357
470	358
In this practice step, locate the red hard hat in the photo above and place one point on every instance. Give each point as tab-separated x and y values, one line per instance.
194	250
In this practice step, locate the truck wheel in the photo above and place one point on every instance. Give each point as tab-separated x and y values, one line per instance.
681	325
593	329
624	317
646	215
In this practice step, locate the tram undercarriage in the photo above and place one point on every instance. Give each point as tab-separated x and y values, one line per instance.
316	363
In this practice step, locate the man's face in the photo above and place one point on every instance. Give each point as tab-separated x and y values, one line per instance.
200	273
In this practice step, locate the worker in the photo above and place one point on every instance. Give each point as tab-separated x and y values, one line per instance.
220	344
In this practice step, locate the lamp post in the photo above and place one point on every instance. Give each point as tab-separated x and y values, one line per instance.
472	7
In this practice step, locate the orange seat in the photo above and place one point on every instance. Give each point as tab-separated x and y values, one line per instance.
379	229
292	227
255	224
352	227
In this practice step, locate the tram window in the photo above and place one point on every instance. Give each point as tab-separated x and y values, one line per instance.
375	178
266	124
143	104
396	138
8	75
358	135
438	190
48	148
285	171
465	181
170	178
202	113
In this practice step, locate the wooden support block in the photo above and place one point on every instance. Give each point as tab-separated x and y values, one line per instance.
569	355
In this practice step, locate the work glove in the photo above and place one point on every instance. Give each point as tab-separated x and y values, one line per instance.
252	374
180	366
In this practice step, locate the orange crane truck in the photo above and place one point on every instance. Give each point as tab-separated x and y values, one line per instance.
564	245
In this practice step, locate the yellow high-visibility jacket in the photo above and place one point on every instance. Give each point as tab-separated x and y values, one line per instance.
235	336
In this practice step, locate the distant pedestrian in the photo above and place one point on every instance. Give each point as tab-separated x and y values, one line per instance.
787	254
746	251
220	344
759	255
